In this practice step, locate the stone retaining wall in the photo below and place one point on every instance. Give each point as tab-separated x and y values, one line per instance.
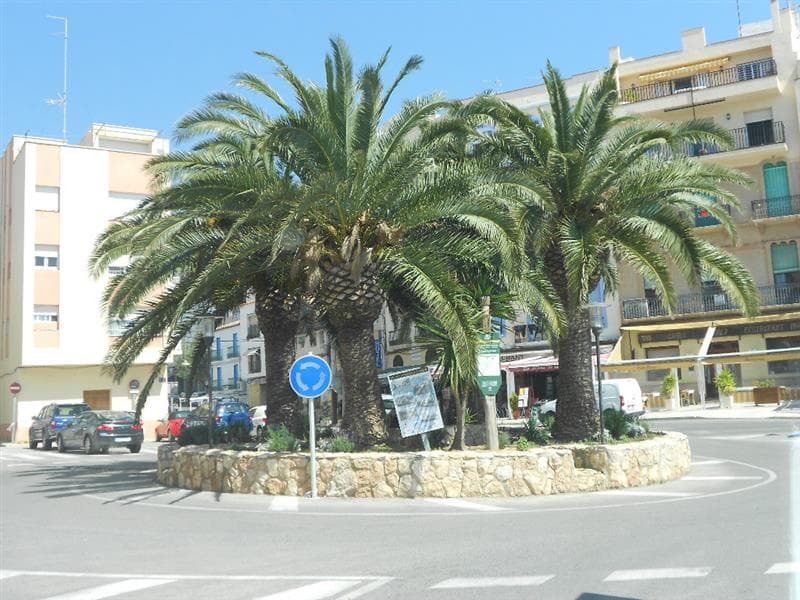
437	474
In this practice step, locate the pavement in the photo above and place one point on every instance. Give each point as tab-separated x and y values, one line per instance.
789	409
77	527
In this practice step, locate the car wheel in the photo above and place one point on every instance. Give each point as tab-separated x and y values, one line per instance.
259	433
32	443
88	445
170	437
47	443
60	444
135	449
158	438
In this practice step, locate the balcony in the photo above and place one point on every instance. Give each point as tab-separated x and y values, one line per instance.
253	331
216	355
784	206
233	353
645	308
744	72
232	384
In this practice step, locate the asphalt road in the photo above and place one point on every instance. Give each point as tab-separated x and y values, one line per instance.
84	527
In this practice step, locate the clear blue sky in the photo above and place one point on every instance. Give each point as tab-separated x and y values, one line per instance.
145	63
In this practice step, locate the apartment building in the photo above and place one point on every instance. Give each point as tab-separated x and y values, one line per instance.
749	86
55	199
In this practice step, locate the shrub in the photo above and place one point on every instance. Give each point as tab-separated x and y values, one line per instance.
548	421
503	439
616	422
765	383
469	417
280	440
531	425
725	382
636	430
237	432
523	444
541	436
668	385
342	443
198	435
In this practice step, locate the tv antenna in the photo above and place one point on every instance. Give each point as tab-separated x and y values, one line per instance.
62	97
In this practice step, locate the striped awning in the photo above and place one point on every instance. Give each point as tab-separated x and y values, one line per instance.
684	71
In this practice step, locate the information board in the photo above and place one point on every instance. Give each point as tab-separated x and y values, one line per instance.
415	403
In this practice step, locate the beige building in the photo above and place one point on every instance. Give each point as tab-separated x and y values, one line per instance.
55	199
749	86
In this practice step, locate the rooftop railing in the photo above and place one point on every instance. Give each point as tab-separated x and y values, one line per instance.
745	72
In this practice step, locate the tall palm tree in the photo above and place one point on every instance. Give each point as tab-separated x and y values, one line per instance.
378	210
609	189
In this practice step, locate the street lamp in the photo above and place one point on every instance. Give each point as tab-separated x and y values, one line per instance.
207	333
596	324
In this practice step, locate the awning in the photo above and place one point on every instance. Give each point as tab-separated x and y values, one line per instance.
684	71
678	326
547	362
727	358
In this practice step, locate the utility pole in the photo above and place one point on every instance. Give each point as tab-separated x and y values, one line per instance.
489	374
62	97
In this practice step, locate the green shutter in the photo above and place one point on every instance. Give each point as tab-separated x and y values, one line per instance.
784	257
776	188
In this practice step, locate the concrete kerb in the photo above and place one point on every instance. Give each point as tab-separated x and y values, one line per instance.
787	410
436	474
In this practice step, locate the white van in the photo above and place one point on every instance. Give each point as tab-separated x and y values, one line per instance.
622	394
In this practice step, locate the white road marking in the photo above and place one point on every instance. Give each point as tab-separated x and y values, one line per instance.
697	463
312	591
12	465
19	456
148	471
745	436
487	582
146	451
640	574
6	574
783	568
464	504
364	589
111	589
720	478
207	577
284	503
646	493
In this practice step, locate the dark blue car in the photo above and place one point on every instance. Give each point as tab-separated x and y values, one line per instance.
50	420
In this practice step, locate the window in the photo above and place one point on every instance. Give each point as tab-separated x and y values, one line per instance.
776	190
235	345
785	272
312	338
254	362
43	313
45	256
46	198
665	352
301	341
783	367
117	327
113	271
219	377
397	361
236	374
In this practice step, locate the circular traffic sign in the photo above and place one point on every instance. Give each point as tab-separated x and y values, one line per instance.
14	388
133	384
310	376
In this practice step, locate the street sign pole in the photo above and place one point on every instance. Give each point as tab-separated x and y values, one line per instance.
14	389
312	443
489	375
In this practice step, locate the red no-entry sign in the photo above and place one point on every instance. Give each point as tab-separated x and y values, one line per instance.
14	388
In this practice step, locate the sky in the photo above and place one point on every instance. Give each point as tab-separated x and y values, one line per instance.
146	63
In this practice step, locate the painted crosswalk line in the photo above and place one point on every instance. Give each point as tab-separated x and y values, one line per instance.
110	590
783	568
456	503
364	589
284	503
312	591
646	493
489	582
641	574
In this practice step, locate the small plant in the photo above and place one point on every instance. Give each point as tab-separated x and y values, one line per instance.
766	383
531	425
381	448
237	432
513	402
523	444
548	421
503	439
725	382
469	417
541	436
280	440
616	422
342	443
644	425
668	385
636	430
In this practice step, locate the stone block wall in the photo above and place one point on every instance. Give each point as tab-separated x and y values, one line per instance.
436	474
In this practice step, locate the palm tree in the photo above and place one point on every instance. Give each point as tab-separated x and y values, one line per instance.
378	211
609	189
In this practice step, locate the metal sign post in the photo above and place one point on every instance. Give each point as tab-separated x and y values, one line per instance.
489	381
14	389
310	377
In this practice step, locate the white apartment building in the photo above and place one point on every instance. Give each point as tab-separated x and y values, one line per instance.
55	199
749	85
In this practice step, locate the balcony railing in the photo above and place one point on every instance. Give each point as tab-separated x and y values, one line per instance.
233	352
253	331
744	72
763	133
771	295
216	355
782	206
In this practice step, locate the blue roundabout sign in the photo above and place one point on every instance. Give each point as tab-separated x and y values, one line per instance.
310	376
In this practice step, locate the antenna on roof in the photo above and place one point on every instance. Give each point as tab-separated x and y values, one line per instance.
62	97
739	17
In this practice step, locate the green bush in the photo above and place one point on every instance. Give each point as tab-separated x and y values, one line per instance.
548	421
469	417
531	425
668	385
725	382
280	440
523	444
197	435
503	439
636	430
616	422
342	443
237	432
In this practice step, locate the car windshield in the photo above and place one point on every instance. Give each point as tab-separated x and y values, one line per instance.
117	416
228	409
180	414
71	411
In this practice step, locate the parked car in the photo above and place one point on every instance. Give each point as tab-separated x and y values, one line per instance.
226	414
622	394
258	418
170	426
98	430
50	420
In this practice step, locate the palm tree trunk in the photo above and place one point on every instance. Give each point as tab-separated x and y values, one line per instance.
461	403
278	316
576	414
351	307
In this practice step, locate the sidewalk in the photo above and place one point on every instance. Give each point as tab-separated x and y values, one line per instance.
790	409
